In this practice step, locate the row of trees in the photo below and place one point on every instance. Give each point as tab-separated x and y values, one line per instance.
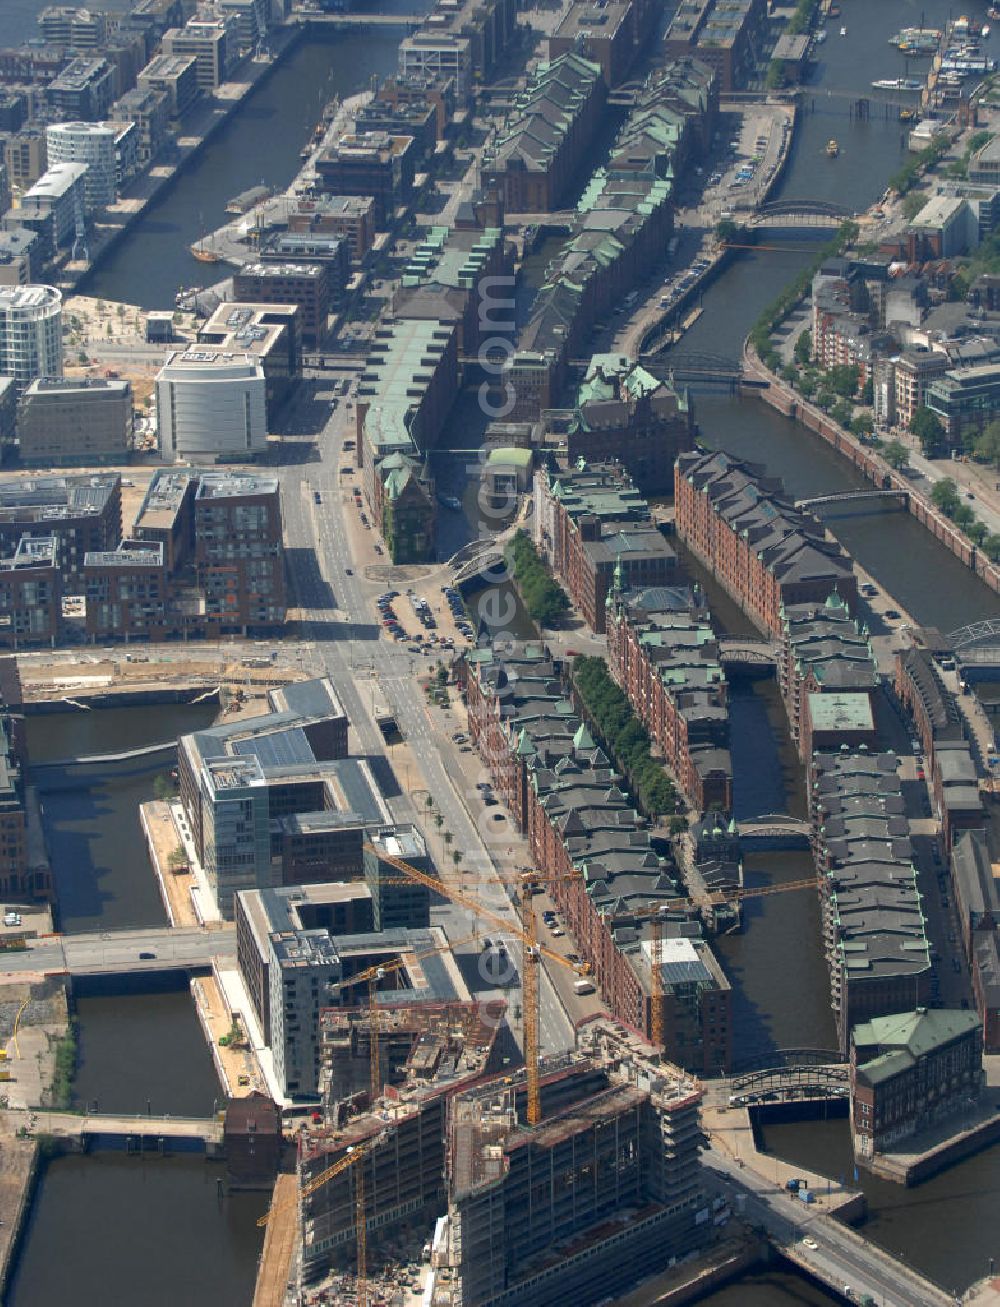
624	737
760	336
947	497
903	180
543	597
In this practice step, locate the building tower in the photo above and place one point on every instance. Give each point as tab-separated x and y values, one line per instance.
30	333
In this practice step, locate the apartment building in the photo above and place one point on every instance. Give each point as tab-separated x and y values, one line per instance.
79	29
82	421
83	90
175	76
900	384
213	46
30	590
767	554
92	144
350	216
31	344
82	513
149	110
55	200
307	284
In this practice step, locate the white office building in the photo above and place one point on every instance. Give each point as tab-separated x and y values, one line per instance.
59	191
211	406
30	333
92	144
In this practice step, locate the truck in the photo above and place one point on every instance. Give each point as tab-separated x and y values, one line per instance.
583	986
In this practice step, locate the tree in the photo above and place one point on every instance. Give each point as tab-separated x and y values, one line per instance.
913	203
927	428
987	444
895	454
438	820
991	548
842	413
163	788
727	230
863	424
804	348
944	494
977	532
963	517
868	392
843	379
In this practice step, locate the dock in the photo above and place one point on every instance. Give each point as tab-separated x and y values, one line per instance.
279	1244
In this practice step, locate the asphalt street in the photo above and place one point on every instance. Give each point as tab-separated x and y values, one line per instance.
122	951
341	636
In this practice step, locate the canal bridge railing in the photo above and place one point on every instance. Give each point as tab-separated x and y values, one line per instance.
850	496
130	1132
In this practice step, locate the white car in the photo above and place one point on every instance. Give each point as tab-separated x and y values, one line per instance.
810	1243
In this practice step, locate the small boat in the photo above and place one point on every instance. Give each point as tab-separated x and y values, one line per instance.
843	31
897	84
985	31
203	255
907	115
832	149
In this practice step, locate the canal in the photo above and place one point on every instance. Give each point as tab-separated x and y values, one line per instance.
99	861
780	982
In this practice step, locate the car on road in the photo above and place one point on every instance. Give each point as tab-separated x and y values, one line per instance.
317	497
146	955
348	571
810	1243
892	614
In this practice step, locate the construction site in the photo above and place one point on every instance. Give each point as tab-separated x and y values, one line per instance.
468	1203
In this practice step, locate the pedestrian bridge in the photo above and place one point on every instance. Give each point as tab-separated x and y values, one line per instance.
978	643
852	496
787	214
129	1132
776	830
360	20
737	650
798	1075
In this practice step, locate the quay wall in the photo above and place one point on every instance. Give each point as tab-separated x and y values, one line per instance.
84	700
871	465
925	1165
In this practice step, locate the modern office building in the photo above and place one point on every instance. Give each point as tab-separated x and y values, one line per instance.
370	163
18	256
149	110
31	342
83	90
56	201
462	40
92	144
26	157
211	406
910	1070
75	421
271	333
306	284
176	77
213	46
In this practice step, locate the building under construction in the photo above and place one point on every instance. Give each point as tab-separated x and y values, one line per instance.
426	1051
605	1190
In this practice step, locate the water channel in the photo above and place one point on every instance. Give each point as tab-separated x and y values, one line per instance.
776	966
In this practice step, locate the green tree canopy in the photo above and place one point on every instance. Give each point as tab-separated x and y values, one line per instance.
895	454
944	494
987	444
927	428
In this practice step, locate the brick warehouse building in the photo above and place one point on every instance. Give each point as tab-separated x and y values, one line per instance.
766	553
663	653
564	795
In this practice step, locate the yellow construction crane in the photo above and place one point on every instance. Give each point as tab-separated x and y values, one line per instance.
354	1154
371	977
532	951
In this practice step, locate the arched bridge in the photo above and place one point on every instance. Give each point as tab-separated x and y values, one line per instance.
979	642
852	496
776	830
738	650
799	213
794	1082
691	368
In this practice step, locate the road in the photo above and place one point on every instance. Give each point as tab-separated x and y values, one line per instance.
341	637
119	951
844	1260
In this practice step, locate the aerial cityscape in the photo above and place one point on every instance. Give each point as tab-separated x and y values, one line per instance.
499	653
